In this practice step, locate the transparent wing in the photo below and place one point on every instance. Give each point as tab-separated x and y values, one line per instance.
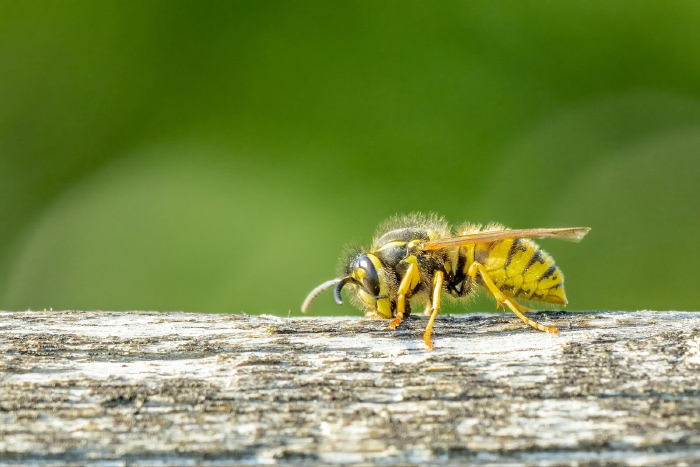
572	234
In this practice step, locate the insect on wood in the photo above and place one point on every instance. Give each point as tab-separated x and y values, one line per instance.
417	258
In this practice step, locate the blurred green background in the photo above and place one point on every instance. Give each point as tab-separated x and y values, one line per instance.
216	156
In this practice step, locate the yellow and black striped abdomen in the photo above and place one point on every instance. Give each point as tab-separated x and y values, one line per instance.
521	270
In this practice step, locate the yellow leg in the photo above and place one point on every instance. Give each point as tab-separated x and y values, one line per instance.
404	287
521	308
502	299
437	290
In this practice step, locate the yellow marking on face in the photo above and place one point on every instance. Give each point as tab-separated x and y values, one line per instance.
375	261
366	297
381	274
359	274
384	307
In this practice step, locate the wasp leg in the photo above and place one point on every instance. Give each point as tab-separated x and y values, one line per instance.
437	290
428	309
404	287
523	309
502	299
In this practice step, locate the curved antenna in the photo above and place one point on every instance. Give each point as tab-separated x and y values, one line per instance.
339	287
316	292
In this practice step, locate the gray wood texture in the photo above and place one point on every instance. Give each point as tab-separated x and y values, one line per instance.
102	388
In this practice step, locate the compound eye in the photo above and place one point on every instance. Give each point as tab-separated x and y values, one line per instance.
371	279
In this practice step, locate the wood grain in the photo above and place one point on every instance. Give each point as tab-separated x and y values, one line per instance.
102	388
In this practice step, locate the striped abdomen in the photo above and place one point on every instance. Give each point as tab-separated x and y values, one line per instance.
520	269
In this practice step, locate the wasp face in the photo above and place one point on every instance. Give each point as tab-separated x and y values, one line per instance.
363	269
369	280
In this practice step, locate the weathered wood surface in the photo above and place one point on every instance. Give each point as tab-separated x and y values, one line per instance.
171	388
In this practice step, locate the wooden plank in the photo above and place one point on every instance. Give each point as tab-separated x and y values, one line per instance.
102	388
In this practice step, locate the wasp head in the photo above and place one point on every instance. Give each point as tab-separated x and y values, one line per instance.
369	282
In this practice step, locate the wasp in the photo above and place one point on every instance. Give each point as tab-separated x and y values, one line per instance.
417	258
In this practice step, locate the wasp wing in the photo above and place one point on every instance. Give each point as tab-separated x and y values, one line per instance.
572	234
